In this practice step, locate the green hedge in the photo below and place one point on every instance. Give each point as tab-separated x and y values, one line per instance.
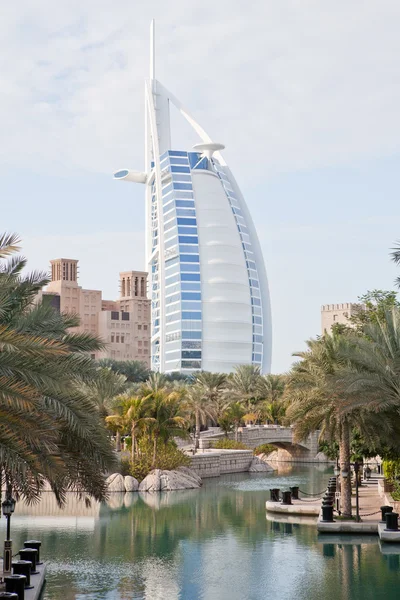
264	449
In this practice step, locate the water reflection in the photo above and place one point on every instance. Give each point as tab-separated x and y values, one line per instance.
210	544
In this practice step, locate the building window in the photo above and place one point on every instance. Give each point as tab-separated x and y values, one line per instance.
117	340
114	315
122	339
139	342
112	338
139	327
145	327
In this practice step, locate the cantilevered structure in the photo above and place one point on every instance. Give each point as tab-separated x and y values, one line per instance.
208	285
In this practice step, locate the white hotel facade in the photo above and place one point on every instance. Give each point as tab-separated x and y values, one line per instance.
210	307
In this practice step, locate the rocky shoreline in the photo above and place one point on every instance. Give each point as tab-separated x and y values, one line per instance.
182	478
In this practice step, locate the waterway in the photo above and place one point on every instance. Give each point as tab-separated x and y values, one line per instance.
209	544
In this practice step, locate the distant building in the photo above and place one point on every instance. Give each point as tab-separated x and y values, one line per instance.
208	284
337	313
123	324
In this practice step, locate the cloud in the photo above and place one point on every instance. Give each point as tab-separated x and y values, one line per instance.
285	86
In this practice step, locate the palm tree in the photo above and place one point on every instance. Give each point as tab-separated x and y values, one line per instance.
167	417
102	391
200	408
135	371
213	386
235	414
373	382
243	384
396	259
314	404
49	429
132	414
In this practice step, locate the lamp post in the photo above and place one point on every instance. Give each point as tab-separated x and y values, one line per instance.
8	507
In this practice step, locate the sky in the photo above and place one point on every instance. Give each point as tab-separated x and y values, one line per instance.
304	94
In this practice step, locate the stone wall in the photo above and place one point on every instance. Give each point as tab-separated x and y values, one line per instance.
213	463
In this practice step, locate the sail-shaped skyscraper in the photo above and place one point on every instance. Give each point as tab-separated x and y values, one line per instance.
210	307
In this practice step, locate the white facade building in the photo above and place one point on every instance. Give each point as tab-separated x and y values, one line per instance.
208	285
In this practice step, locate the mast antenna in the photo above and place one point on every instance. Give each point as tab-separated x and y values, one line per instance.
152	50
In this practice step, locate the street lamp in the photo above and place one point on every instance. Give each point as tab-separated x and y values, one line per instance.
8	507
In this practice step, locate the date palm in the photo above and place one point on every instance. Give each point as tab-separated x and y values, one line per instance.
242	386
48	429
200	408
314	404
167	417
132	414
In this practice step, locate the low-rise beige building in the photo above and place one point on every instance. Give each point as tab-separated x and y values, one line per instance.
123	324
337	313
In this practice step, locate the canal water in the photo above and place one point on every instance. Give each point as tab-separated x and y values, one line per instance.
215	543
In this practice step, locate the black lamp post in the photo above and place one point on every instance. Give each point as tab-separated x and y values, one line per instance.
8	507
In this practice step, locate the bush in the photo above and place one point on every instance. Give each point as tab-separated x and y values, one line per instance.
264	449
229	445
168	457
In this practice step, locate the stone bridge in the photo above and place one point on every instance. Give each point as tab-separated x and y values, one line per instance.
281	437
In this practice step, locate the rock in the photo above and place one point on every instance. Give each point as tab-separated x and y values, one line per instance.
190	473
259	466
180	479
151	483
131	484
115	483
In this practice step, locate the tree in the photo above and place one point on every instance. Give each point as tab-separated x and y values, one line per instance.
271	388
314	405
396	259
135	371
243	384
133	413
213	386
105	387
200	408
49	429
167	417
235	414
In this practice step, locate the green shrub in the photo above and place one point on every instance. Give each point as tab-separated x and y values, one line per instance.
264	449
226	444
168	457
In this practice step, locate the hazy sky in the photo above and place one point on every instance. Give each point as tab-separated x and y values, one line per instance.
304	94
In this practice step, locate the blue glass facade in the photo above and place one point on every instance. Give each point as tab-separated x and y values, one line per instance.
183	314
182	269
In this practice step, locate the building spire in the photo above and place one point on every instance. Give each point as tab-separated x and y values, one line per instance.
152	50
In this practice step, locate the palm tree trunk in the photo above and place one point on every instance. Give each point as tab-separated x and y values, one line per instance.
344	459
133	448
118	441
197	431
236	432
154	451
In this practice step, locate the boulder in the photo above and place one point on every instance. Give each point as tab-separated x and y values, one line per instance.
115	483
191	474
151	483
180	479
259	466
131	484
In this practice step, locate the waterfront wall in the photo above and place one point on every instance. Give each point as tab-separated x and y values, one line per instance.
216	463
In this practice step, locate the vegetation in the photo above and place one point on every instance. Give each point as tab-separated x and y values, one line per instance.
264	449
50	430
168	457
